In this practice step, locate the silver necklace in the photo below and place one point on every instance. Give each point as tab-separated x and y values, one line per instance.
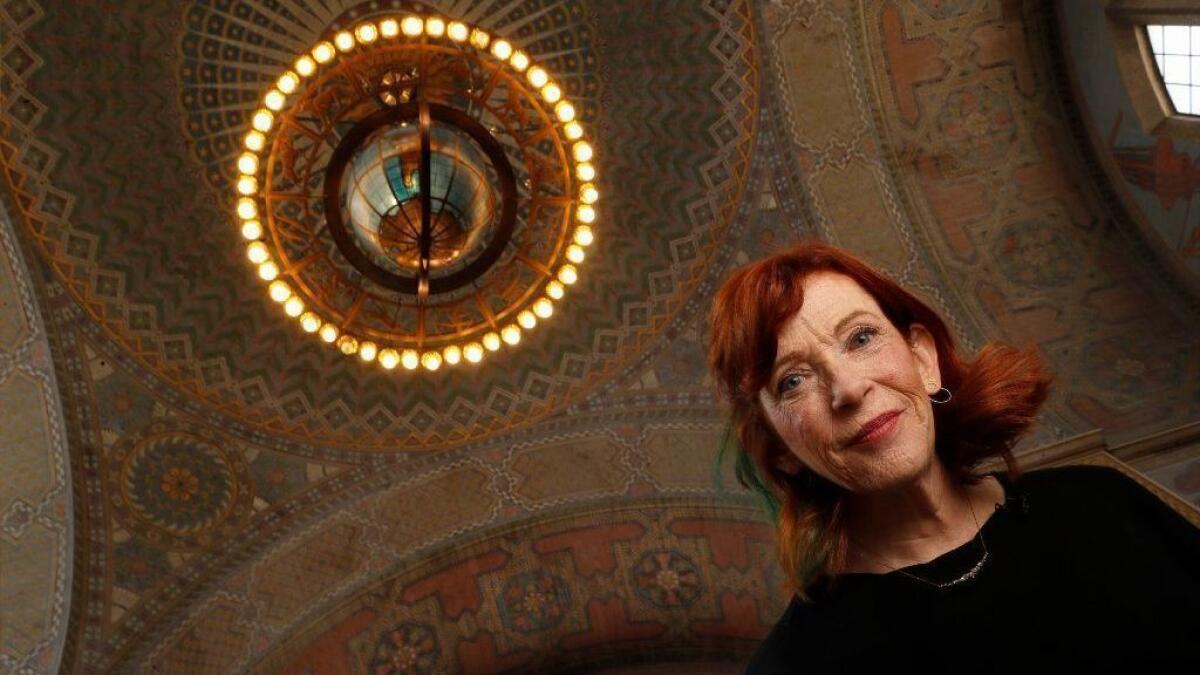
965	576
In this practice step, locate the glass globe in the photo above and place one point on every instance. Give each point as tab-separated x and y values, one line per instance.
381	197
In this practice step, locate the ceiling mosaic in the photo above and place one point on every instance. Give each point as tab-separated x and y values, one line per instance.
248	499
208	331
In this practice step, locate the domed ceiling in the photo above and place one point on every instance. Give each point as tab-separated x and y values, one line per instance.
247	498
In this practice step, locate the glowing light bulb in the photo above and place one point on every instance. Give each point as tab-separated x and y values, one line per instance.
473	352
586	214
452	355
268	271
575	253
584	235
435	27
501	49
279	291
274	99
491	342
288	81
564	111
347	344
585	171
367	33
262	120
389	28
252	229
246	208
431	360
305	66
367	351
255	141
412	26
329	332
519	61
573	131
511	334
588	194
294	306
480	38
551	93
457	31
248	163
526	319
543	308
555	290
324	52
389	358
410	359
537	77
568	274
247	185
582	151
344	41
310	322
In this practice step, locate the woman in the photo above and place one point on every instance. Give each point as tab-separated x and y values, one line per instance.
864	428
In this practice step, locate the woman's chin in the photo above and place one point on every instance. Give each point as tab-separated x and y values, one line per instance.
888	469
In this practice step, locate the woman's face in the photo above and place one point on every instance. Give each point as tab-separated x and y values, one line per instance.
848	393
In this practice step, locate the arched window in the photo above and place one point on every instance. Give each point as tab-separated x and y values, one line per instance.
1176	52
1157	44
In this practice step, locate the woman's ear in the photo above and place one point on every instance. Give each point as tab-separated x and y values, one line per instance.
925	352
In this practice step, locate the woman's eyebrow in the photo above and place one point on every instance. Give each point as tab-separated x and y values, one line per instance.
850	317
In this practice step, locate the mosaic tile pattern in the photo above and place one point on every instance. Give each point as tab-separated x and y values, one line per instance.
36	516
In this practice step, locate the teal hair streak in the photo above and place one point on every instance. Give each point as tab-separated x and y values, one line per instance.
747	474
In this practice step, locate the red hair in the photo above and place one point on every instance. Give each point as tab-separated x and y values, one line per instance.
996	396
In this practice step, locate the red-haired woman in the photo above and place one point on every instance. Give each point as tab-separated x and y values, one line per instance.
863	426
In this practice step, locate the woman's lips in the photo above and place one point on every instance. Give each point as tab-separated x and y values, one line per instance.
877	429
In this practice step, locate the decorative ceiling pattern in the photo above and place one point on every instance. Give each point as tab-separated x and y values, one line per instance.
177	354
588	587
209	331
36	523
247	499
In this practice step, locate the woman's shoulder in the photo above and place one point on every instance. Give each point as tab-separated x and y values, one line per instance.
809	632
778	652
1088	491
1074	482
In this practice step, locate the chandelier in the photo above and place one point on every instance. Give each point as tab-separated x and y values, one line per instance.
416	192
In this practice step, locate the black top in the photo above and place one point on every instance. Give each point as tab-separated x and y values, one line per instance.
1087	572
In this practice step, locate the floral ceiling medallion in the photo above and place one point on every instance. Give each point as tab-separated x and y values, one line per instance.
416	192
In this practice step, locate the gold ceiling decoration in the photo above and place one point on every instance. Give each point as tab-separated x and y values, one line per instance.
416	192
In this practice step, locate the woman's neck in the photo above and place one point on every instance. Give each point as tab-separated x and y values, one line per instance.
916	522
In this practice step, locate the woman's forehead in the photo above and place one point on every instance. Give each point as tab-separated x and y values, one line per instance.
829	298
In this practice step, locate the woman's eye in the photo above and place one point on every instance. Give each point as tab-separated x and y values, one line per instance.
790	382
862	337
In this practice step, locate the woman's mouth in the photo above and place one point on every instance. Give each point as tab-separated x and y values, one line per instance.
877	429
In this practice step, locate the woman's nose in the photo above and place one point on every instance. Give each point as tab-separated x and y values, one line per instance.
847	386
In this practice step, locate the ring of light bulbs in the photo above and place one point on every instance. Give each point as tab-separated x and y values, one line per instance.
325	53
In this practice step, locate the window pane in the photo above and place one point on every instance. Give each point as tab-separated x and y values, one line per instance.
1195	70
1178	39
1180	97
1195	100
1178	70
1156	38
1162	63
